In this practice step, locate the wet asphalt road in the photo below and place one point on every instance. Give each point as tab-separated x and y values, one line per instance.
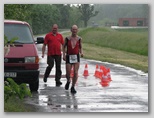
127	92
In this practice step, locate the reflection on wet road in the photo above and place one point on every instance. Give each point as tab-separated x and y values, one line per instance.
127	92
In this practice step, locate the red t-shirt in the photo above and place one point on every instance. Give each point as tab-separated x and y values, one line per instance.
54	43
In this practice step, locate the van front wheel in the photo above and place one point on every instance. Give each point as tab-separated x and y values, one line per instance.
34	86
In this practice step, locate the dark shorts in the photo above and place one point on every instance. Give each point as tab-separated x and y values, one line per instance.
68	59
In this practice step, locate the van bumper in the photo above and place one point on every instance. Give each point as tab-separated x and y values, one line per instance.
22	76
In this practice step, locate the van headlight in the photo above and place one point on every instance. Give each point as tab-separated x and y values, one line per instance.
31	60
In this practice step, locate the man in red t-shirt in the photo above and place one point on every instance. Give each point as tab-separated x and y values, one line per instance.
54	41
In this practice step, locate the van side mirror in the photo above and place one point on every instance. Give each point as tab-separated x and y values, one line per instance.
40	40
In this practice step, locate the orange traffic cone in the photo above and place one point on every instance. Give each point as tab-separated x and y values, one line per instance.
108	74
101	71
106	77
96	71
72	72
104	84
86	73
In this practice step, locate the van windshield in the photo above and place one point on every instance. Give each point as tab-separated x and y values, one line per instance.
22	32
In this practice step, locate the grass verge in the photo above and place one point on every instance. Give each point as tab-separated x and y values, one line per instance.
104	54
16	105
131	40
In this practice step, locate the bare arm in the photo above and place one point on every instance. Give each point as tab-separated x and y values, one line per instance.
80	50
64	49
43	50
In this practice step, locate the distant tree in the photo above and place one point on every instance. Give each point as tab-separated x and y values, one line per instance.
43	17
64	10
75	17
17	11
86	11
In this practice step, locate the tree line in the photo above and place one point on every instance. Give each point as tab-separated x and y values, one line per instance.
42	16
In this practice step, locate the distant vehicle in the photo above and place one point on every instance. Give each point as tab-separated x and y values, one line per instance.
22	62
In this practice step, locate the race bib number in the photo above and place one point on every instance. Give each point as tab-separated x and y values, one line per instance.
73	58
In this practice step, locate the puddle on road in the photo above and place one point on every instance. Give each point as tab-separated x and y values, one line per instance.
65	102
43	100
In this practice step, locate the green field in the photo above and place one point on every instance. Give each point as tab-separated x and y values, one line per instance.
135	40
128	47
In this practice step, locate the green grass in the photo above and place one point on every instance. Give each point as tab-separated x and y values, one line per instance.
133	30
17	105
135	42
104	54
128	47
